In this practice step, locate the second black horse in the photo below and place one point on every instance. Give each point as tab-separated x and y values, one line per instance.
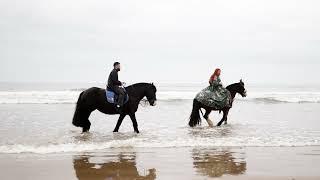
95	99
195	118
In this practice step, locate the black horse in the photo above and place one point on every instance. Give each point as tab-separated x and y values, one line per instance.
195	118
95	99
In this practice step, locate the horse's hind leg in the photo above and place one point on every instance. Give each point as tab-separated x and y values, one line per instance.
86	123
206	117
86	127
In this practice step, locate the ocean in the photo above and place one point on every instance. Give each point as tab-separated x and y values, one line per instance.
36	118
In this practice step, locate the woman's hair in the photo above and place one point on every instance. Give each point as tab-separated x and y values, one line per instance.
214	75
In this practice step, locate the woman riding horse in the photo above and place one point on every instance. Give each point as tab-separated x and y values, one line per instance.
221	93
215	98
215	95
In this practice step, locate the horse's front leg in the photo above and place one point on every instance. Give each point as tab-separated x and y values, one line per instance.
206	117
134	122
224	118
122	116
225	114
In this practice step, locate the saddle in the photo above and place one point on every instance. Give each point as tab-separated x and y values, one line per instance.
112	97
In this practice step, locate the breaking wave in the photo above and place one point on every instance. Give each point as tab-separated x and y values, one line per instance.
139	143
70	97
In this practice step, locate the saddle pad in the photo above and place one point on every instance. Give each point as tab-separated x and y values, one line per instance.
112	97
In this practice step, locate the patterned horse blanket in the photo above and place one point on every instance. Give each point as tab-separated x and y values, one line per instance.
215	96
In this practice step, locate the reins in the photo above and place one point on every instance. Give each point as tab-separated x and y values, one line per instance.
143	102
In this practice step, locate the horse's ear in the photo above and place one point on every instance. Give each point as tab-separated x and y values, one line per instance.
241	82
152	83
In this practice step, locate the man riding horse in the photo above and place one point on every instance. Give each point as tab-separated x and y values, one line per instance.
116	86
127	103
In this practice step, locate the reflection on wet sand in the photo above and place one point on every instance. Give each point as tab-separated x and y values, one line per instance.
214	163
122	167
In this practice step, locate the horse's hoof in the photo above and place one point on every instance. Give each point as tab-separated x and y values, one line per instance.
137	132
85	130
115	131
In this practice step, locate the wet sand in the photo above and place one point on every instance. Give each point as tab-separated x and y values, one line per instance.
167	163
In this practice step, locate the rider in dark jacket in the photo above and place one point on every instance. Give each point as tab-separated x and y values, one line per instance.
114	84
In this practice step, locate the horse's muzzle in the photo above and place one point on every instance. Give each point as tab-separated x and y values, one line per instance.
153	103
244	94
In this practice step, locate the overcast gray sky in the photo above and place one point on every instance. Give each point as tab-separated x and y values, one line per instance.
261	41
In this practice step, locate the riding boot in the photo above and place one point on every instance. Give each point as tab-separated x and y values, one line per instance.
121	94
119	109
120	99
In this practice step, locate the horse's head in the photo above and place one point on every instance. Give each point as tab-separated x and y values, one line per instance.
238	88
150	93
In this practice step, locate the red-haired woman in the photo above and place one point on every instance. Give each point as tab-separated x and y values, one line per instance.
215	95
215	77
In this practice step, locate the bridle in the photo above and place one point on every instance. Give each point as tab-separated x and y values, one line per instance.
143	101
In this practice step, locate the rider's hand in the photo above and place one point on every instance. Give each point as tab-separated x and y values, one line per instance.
123	84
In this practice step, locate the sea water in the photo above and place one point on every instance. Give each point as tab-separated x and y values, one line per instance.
37	119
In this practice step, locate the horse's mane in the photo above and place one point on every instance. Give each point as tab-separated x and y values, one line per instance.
139	85
232	85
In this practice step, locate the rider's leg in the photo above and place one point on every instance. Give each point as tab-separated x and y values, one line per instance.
121	97
120	91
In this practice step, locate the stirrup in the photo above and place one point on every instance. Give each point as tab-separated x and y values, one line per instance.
119	109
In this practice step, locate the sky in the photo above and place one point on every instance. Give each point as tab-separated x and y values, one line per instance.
175	41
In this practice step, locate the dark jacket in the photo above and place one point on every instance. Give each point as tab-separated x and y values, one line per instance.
113	80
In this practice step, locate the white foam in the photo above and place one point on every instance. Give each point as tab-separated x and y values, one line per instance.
38	97
291	97
64	97
141	143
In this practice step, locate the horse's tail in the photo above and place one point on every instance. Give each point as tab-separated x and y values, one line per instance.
77	119
195	118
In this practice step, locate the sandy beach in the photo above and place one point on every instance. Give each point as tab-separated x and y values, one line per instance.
167	163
